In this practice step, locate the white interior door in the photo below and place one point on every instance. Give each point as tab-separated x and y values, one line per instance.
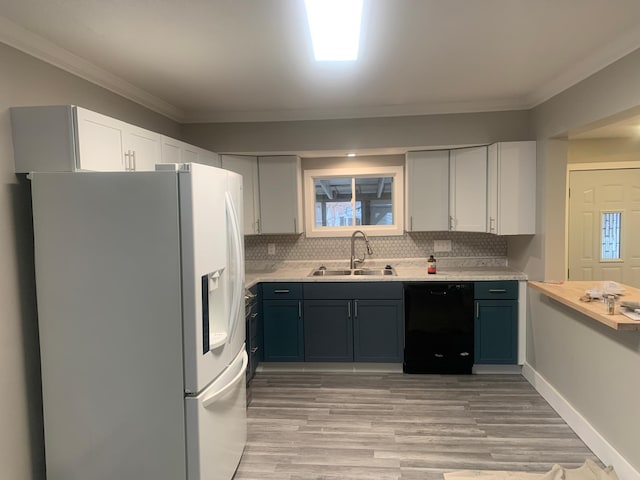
604	225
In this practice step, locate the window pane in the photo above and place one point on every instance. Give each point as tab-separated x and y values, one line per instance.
610	241
374	195
333	202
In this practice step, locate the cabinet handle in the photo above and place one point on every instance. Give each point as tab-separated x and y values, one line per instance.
254	315
492	227
348	309
281	291
497	290
299	309
133	160
477	309
411	223
126	161
254	349
295	226
451	223
258	226
355	309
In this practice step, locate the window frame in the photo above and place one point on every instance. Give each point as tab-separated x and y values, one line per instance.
397	199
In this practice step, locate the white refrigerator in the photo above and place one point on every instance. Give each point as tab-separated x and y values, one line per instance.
139	279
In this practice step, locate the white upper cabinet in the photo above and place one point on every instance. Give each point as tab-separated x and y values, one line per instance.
247	166
468	189
176	151
512	188
427	192
68	138
280	194
142	149
272	189
100	142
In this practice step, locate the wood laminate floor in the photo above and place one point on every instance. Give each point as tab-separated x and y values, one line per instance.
391	426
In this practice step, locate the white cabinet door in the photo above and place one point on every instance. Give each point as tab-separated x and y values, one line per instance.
177	151
171	150
142	149
511	187
100	142
468	189
280	194
427	174
247	166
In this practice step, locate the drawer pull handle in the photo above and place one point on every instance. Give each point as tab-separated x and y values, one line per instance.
497	290
281	291
438	355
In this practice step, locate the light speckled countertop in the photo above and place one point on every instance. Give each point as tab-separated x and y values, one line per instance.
407	270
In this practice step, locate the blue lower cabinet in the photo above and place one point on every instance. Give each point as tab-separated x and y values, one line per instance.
496	332
378	331
360	321
328	331
283	331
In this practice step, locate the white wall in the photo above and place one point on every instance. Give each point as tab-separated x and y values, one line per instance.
604	150
595	369
363	133
27	81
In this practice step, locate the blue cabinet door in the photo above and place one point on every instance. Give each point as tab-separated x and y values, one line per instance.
328	331
496	332
283	331
378	331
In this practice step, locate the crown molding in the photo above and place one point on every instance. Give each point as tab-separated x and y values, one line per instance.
21	39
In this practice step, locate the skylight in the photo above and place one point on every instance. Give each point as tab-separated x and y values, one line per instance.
335	28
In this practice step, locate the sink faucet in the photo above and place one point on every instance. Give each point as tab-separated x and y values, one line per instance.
355	260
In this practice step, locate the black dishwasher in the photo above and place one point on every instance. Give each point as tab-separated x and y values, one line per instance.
438	327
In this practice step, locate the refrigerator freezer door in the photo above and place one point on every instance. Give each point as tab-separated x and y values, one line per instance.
216	422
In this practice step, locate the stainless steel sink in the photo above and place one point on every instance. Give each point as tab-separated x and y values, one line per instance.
374	271
329	273
323	272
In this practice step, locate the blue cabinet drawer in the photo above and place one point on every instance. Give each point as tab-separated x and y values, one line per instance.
351	290
281	291
499	290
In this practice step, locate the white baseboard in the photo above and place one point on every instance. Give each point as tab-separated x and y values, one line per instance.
589	435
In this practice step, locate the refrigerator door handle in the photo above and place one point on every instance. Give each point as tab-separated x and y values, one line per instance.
210	399
237	257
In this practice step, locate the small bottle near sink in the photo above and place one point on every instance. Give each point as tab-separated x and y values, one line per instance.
431	265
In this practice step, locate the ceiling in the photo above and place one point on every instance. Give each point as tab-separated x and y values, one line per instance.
251	60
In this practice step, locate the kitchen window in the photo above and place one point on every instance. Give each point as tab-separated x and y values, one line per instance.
341	201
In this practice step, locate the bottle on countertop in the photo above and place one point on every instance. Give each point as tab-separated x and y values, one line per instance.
431	265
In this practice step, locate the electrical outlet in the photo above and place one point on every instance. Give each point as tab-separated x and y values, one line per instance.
442	245
271	249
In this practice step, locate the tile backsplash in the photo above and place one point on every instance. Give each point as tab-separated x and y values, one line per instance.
409	245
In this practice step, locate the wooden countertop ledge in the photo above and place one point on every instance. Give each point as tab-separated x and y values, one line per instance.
569	293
